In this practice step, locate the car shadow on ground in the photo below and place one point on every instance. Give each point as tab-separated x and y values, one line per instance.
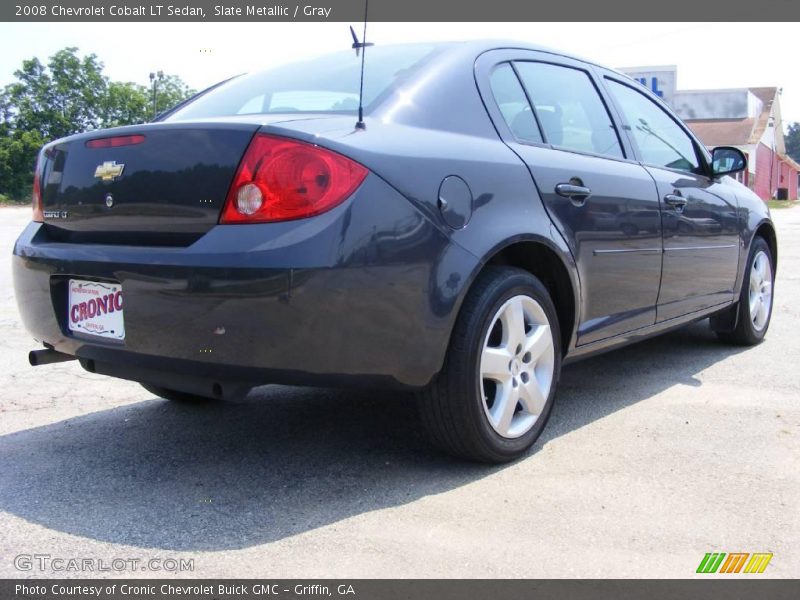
217	476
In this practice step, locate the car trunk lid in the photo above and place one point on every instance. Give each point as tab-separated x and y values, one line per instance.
155	184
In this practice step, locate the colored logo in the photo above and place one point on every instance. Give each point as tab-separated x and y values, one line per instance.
734	562
109	170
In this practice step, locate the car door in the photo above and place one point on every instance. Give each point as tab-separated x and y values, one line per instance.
700	227
551	114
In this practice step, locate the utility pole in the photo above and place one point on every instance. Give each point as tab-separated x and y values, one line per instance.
154	79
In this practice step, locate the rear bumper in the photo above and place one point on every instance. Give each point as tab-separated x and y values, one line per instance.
366	293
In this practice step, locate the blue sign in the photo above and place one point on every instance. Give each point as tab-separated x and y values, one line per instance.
653	85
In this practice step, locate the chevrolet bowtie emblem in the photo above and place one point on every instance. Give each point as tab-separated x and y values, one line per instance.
109	170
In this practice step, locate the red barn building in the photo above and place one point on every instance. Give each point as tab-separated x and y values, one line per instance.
771	173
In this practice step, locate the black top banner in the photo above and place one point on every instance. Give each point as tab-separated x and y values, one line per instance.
398	10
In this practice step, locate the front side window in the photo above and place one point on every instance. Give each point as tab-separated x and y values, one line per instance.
661	141
569	108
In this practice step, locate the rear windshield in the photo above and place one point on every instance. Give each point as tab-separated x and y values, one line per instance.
328	84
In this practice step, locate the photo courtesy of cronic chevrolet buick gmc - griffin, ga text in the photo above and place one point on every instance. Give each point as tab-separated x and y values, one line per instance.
500	209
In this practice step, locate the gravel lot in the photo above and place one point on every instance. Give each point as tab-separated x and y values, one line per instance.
654	455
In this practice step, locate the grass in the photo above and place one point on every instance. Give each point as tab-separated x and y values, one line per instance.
782	203
6	201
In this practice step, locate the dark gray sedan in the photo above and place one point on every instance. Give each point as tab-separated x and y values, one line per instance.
501	209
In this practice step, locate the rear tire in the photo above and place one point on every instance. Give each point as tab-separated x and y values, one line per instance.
175	395
755	300
494	394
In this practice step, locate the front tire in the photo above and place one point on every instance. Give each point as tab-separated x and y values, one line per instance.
495	392
756	298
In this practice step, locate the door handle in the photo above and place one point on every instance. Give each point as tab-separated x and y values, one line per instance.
577	193
675	201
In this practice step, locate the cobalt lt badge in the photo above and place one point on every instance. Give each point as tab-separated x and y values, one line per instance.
109	200
109	170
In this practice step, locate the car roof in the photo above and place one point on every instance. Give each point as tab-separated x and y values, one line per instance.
478	47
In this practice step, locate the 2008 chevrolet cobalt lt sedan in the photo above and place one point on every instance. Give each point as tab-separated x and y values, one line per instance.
499	210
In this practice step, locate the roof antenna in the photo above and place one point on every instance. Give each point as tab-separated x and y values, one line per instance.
358	47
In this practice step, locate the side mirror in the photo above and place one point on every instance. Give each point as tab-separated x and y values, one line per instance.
726	160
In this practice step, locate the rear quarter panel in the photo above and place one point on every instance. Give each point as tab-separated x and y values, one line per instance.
436	129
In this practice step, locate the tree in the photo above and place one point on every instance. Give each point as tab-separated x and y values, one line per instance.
125	104
70	94
792	139
59	99
130	103
17	159
170	91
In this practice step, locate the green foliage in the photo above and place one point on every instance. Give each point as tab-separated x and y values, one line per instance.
171	91
792	140
70	94
125	104
17	158
59	99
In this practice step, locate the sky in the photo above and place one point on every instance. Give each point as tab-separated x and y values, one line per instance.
707	55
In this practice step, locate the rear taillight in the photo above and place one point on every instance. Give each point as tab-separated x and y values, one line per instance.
281	179
36	196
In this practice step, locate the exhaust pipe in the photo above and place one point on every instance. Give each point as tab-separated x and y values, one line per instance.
48	356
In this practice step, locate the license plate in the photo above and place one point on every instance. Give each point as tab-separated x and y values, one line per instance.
96	309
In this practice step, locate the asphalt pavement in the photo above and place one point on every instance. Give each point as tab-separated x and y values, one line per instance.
654	455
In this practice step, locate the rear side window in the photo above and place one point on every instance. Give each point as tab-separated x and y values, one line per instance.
513	104
661	141
569	108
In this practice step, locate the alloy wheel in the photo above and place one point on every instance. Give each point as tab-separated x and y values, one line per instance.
760	297
517	366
